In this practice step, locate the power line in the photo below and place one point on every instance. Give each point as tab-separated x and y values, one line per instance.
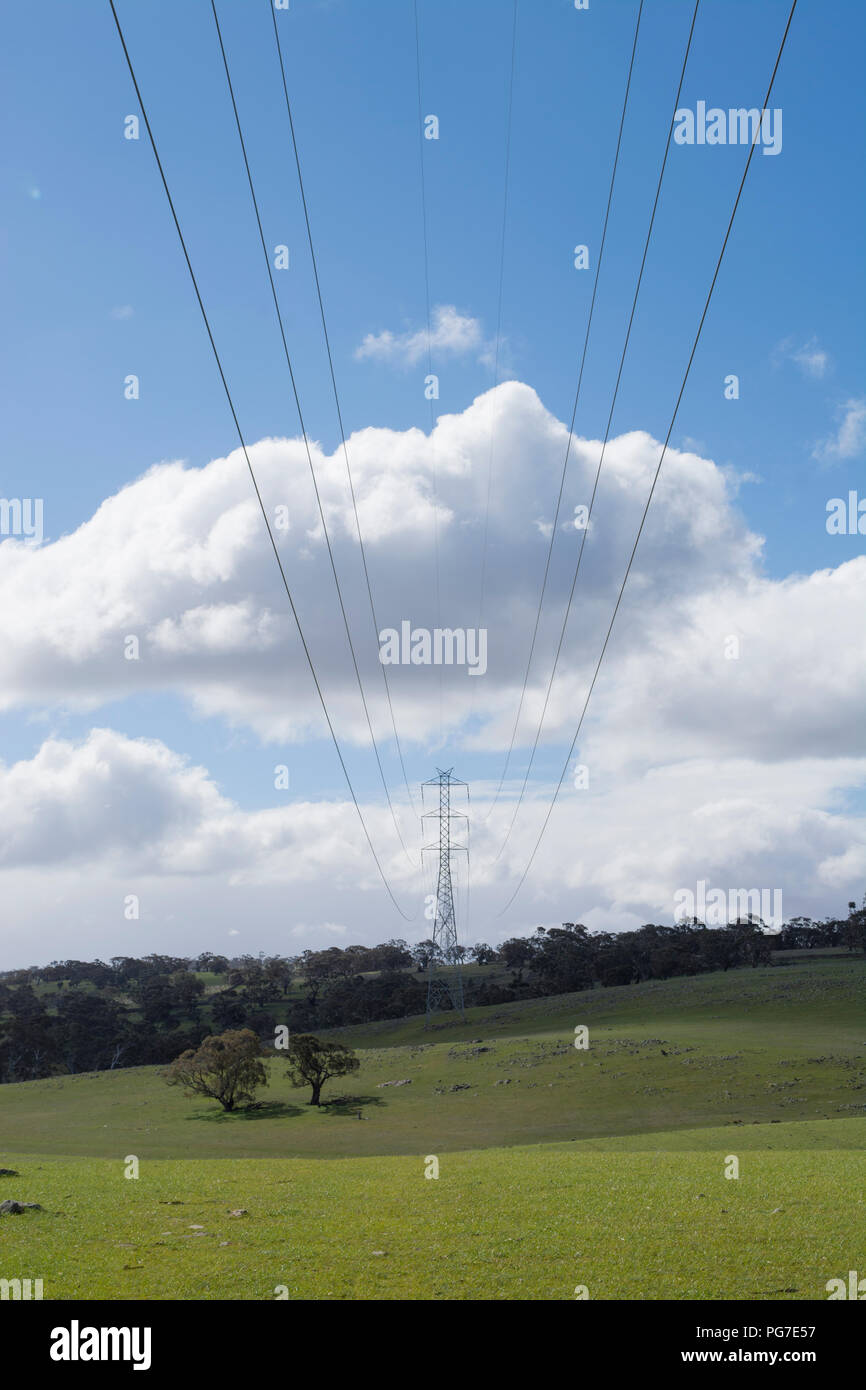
607	429
499	310
250	466
658	467
573	414
288	358
429	341
336	393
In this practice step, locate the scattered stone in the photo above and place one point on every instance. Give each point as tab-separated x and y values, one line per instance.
406	1082
9	1173
196	1228
11	1208
377	1252
504	1081
173	1202
239	1211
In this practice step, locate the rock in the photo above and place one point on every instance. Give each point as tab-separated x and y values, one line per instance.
406	1082
11	1208
239	1211
9	1173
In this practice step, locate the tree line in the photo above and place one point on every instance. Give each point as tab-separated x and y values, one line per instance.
134	1011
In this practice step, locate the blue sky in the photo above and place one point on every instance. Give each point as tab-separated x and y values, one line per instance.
95	286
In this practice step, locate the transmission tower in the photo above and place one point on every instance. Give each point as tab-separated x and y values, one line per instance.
444	975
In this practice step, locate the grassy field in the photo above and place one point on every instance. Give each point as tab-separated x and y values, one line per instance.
523	1223
558	1167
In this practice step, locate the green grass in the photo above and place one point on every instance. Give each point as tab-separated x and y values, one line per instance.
524	1223
741	1047
602	1167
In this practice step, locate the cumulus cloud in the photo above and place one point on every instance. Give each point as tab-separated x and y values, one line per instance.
849	440
138	806
450	333
179	560
723	741
107	815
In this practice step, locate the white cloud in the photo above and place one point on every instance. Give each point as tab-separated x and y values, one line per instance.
450	332
85	823
849	440
180	560
738	771
810	357
307	931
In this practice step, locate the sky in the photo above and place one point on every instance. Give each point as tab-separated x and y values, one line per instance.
192	798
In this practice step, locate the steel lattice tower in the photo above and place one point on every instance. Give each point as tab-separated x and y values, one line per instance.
444	975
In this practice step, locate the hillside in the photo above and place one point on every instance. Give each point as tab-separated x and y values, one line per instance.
557	1169
737	1047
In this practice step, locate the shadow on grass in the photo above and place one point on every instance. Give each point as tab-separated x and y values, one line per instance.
264	1110
349	1107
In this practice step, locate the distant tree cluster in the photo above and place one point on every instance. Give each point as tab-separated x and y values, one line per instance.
558	960
74	1016
228	1067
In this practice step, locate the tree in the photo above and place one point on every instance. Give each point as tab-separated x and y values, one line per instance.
424	952
393	954
484	954
562	960
226	1068
517	951
187	990
227	1011
88	1029
208	962
156	996
28	1042
312	1063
